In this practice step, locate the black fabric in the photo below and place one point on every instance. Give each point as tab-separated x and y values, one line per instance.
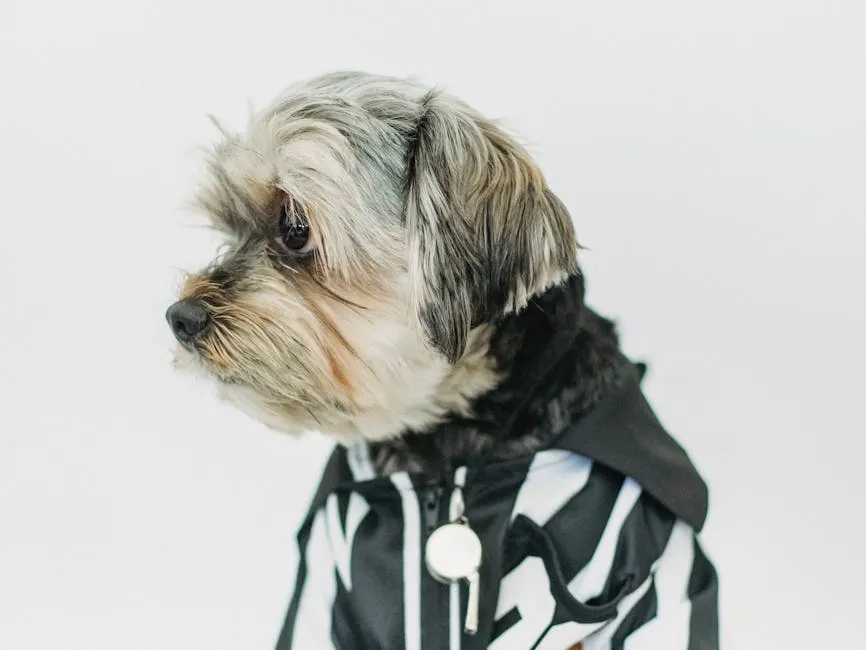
538	543
287	632
588	512
643	612
642	540
377	569
336	472
622	437
371	614
704	595
623	433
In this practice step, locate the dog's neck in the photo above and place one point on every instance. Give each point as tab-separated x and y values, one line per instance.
557	358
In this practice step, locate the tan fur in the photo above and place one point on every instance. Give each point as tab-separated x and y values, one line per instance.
342	342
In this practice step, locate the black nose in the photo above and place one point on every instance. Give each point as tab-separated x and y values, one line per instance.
188	319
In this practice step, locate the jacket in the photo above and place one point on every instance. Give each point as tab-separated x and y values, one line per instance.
593	539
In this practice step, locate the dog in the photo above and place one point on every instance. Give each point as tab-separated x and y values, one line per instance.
398	275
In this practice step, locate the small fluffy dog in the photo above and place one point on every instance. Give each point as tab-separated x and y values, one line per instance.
398	275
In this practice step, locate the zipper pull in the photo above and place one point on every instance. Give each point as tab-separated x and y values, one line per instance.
453	552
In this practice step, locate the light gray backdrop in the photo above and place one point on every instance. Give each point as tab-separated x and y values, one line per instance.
713	155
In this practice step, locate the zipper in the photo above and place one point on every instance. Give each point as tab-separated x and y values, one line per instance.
440	508
444	507
431	507
434	508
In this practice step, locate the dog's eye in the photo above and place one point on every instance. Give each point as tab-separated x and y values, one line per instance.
294	229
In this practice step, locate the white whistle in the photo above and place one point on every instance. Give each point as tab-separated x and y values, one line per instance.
453	553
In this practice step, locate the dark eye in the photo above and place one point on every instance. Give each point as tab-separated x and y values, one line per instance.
294	229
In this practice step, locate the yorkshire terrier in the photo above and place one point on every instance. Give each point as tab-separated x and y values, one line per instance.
398	275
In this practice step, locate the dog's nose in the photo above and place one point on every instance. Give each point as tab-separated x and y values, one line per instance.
188	319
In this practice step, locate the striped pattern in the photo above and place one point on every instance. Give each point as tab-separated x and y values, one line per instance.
574	552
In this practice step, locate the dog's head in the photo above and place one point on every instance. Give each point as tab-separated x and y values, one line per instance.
374	230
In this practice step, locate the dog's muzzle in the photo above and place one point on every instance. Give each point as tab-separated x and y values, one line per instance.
188	320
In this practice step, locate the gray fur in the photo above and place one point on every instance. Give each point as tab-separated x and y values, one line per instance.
430	223
485	233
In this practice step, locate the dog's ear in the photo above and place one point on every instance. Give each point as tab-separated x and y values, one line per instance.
485	233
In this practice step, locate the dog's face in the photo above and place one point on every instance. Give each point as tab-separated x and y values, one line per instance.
374	230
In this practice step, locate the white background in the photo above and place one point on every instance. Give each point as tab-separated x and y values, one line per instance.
713	155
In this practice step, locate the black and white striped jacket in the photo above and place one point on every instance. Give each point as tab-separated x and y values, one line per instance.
592	540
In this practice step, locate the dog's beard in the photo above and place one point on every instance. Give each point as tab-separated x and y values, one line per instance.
296	357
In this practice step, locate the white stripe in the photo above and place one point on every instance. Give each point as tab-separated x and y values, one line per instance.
358	457
592	578
341	541
672	555
315	610
553	478
411	561
670	627
526	588
590	581
454	617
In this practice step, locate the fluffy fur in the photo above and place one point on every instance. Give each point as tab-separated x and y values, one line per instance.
441	256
